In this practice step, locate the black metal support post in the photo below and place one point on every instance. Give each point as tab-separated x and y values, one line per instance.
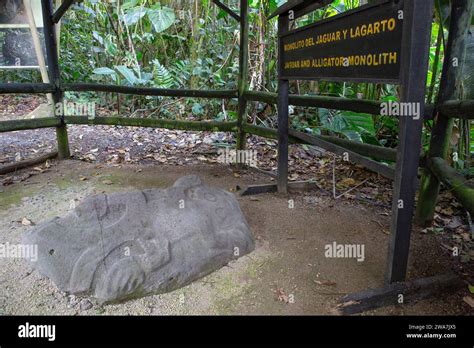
418	16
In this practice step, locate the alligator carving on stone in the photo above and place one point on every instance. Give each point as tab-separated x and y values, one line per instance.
128	245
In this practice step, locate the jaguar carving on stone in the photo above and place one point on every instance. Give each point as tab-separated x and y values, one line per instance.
122	246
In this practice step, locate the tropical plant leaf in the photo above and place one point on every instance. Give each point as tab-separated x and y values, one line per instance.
161	17
134	15
162	77
363	122
104	71
128	74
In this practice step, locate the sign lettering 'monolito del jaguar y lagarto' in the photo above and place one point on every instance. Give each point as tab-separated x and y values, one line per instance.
360	45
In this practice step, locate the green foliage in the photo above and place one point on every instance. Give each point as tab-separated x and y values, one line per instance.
162	77
351	125
194	44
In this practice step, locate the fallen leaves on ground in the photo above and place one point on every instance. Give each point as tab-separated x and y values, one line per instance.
325	282
281	296
469	300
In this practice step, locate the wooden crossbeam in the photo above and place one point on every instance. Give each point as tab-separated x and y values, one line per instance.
13	167
397	294
27	88
367	150
374	166
49	122
226	9
62	10
297	186
93	87
18	125
355	105
454	180
300	7
463	109
153	123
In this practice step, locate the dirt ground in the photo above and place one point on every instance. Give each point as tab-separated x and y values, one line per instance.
287	274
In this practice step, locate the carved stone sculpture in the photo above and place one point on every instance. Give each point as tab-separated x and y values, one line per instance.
9	9
18	48
127	245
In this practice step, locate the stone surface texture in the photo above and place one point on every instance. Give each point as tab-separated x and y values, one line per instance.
121	246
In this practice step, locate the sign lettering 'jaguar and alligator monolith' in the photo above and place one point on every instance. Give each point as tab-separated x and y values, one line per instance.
364	44
122	246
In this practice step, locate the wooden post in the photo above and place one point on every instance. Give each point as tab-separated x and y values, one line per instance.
54	75
283	112
243	73
450	89
418	16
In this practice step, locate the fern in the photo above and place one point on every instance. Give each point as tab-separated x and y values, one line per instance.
182	72
162	77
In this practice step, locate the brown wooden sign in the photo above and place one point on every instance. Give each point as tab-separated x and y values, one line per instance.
362	45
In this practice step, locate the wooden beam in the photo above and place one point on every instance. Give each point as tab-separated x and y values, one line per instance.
43	88
226	9
51	44
335	103
283	112
13	167
243	73
16	125
450	89
62	10
367	150
159	92
259	189
283	9
50	122
153	123
356	105
456	182
26	88
300	7
392	294
463	109
265	132
354	157
264	97
417	23
36	123
51	48
312	6
430	111
297	186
